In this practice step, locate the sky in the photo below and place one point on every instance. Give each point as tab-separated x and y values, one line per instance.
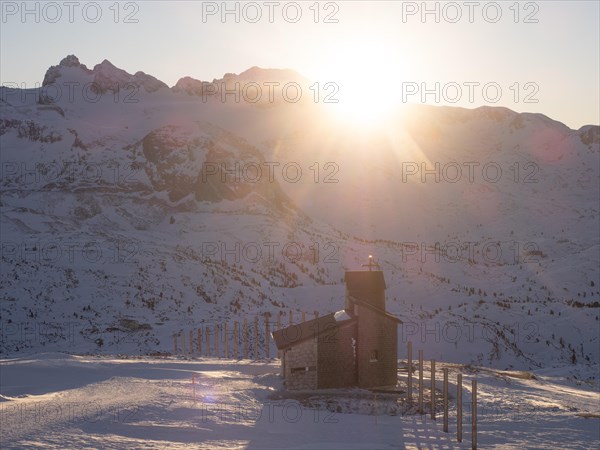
541	57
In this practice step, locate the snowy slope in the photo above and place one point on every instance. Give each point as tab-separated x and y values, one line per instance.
117	206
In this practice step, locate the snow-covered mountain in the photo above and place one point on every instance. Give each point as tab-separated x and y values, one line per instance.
128	202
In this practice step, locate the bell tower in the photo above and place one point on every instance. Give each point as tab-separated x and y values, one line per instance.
367	286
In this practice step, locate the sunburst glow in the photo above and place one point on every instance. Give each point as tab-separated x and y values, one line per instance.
368	79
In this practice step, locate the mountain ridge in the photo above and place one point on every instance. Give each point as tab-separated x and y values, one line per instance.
202	212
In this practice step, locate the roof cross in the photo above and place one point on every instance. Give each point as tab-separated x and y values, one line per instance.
371	263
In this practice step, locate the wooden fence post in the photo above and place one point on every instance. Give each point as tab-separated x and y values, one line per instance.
459	408
445	399
226	336
433	389
207	328
174	344
473	414
267	336
410	399
194	386
182	342
217	340
279	321
199	341
245	338
420	381
191	341
291	318
255	337
235	340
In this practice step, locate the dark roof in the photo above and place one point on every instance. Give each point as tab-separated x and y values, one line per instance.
375	309
360	280
294	334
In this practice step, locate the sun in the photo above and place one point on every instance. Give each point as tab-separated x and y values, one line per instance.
367	80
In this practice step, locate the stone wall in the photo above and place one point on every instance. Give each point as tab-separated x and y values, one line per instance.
300	365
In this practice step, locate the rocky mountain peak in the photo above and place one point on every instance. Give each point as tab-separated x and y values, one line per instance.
70	61
106	76
55	72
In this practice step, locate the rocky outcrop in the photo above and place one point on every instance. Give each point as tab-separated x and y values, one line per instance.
105	76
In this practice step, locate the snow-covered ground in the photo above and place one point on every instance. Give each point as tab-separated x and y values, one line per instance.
53	400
